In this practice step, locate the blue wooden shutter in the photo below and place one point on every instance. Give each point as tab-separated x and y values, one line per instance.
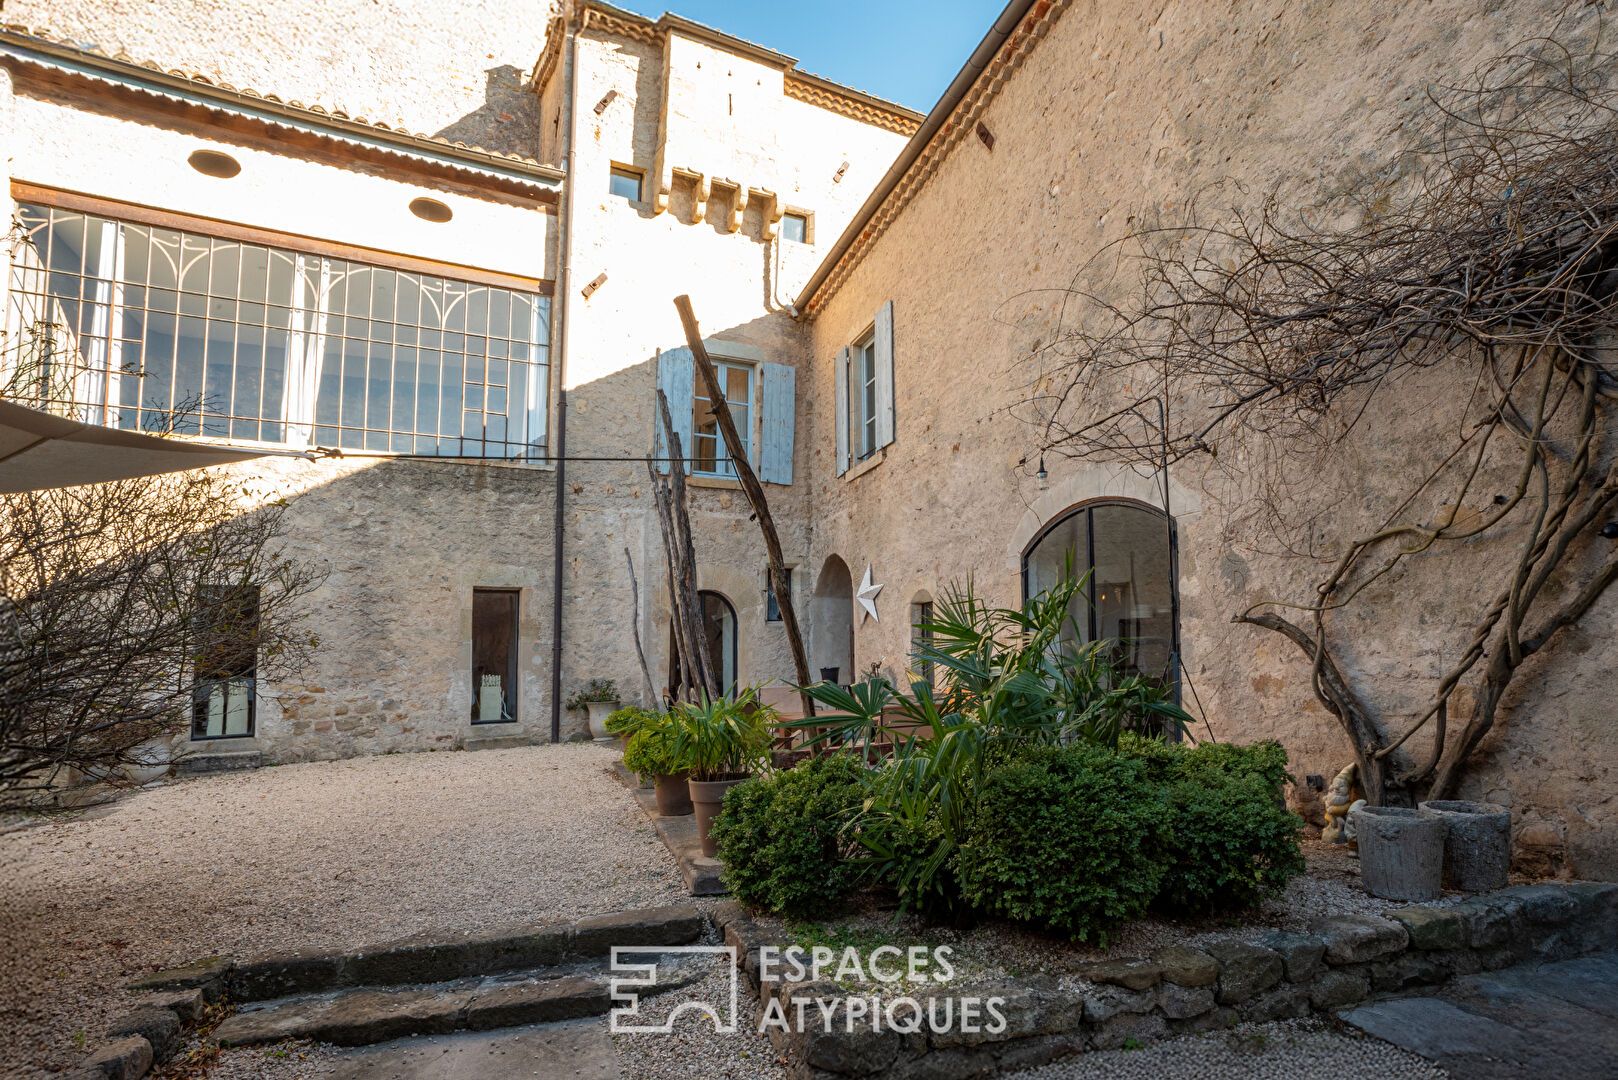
674	374
776	422
884	374
842	412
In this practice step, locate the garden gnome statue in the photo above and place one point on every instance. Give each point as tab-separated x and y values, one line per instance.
1339	798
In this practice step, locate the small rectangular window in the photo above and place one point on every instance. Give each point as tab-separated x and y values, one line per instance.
494	656
795	227
226	662
624	183
709	455
921	633
772	606
862	398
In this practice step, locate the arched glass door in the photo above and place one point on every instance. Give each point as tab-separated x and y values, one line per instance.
719	636
1130	599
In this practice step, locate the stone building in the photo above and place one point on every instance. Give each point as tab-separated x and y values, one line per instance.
867	276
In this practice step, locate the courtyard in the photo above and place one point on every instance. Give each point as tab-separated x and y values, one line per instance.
309	855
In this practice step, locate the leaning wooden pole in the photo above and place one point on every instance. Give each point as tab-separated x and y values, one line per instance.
755	495
680	636
640	653
678	508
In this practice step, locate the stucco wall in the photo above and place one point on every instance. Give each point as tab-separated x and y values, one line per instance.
1123	111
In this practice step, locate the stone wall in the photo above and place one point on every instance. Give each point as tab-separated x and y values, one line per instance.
728	118
1179	990
1118	113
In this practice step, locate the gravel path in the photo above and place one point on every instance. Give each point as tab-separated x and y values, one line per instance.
1284	1050
319	854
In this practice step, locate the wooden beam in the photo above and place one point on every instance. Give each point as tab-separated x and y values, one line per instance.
687	552
755	494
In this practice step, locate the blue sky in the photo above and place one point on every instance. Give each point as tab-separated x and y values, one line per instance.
903	50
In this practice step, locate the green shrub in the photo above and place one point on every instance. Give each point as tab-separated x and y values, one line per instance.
650	751
1071	838
1266	760
781	838
1233	841
628	720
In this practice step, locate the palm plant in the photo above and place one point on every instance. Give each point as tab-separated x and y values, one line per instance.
720	737
1012	677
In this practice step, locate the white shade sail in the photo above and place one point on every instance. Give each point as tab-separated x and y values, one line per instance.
39	450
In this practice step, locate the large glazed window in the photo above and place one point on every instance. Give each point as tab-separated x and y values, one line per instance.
1130	597
709	455
148	328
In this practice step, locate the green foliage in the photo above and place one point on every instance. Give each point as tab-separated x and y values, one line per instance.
1234	842
650	751
594	690
1010	679
1071	838
716	738
782	838
628	720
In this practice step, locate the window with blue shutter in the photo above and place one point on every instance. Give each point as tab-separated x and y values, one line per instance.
777	391
675	372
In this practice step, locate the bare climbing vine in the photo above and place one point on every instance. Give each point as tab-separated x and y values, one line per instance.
1483	261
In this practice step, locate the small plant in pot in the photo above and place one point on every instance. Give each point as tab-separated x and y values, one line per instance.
626	722
598	698
648	753
720	742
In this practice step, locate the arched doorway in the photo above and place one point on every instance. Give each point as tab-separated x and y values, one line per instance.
832	637
1127	547
719	635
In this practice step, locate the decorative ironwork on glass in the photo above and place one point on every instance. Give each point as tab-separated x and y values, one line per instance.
154	329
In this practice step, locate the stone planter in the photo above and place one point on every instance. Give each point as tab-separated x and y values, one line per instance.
673	795
1401	852
1477	844
599	710
708	796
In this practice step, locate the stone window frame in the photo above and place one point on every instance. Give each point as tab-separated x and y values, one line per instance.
617	170
808	218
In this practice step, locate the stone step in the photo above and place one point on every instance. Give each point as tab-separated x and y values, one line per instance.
498	742
439	957
208	764
368	1015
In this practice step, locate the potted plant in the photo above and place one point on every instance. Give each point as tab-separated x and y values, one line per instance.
627	721
719	742
598	698
648	753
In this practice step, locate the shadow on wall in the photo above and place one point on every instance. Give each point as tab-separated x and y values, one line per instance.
508	119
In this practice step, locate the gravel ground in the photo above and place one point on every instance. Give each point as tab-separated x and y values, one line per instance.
321	854
1284	1050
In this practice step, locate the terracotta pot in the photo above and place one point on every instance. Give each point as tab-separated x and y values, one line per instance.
673	797
708	796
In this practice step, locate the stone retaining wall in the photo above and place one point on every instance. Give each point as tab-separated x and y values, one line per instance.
1180	990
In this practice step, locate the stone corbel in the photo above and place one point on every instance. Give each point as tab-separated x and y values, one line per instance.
701	190
773	211
738	202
